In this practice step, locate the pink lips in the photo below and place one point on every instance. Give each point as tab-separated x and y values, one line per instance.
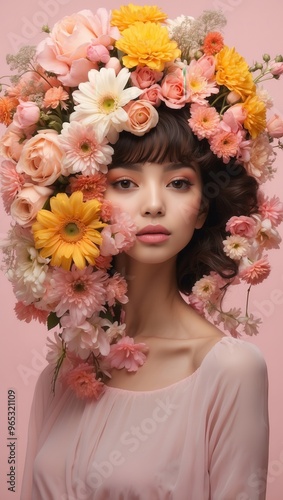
153	233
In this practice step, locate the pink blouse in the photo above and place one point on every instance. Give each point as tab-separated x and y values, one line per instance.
202	438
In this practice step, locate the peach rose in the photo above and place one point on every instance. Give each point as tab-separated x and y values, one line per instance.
142	117
64	52
242	226
172	90
12	143
275	126
41	158
28	202
144	77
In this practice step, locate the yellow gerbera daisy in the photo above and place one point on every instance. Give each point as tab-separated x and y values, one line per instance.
232	70
130	14
255	122
147	44
68	233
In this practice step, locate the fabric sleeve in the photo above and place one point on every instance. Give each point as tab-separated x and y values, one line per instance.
41	400
238	429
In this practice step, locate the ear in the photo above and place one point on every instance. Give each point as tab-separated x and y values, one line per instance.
203	211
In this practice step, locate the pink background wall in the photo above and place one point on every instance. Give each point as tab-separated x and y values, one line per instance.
254	28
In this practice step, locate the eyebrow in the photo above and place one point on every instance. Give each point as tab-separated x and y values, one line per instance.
138	166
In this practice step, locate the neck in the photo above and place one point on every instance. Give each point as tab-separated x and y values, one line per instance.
153	297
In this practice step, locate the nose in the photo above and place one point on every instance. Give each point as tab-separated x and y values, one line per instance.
154	203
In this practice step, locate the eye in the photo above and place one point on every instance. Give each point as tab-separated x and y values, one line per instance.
124	184
180	184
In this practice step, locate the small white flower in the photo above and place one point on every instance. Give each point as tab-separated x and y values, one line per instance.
236	246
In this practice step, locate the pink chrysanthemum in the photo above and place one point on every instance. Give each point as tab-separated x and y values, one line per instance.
236	246
11	183
83	382
92	186
261	158
86	151
204	120
116	290
197	86
126	354
225	145
54	97
79	291
270	208
30	312
256	272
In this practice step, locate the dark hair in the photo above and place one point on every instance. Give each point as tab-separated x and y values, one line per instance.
227	190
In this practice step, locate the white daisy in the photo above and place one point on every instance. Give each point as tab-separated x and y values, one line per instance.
100	101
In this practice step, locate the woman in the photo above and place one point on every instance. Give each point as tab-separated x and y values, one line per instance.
130	247
192	422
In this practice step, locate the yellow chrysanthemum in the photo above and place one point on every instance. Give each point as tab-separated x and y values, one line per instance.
147	44
68	233
255	122
232	70
130	14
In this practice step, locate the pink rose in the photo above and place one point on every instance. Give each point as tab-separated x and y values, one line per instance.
41	158
276	68
12	142
207	66
144	77
152	95
172	90
28	202
275	126
233	97
98	53
115	64
27	114
242	226
64	52
142	117
239	112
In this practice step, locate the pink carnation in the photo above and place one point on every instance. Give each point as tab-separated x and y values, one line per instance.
270	208
242	225
116	290
256	272
119	235
11	183
30	312
83	382
126	354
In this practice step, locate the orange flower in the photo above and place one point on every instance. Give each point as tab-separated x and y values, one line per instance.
7	107
54	97
92	186
213	43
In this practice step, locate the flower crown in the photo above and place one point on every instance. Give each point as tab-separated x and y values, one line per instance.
93	76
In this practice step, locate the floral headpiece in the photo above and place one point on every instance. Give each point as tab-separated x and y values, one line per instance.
93	76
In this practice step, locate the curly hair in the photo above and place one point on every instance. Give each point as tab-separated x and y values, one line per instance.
227	190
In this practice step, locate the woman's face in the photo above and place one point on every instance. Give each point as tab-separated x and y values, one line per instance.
163	201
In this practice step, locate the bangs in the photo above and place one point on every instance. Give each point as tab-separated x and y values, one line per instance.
170	141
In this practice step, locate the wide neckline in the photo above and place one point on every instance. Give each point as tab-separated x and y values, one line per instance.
190	377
